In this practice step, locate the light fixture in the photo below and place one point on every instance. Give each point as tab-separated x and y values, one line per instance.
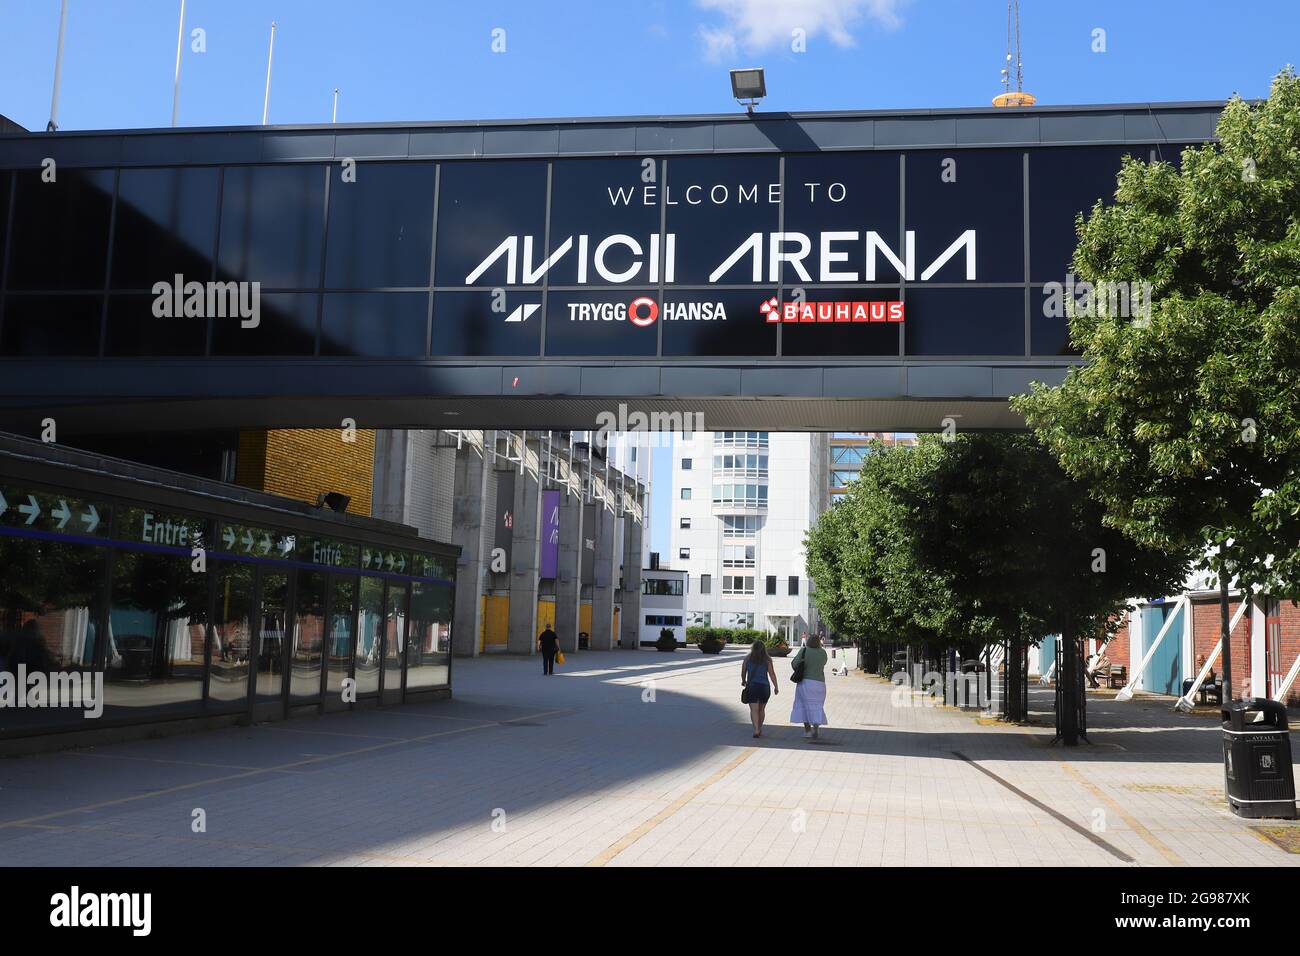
748	87
334	500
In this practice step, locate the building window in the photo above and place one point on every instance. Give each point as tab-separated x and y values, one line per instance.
740	526
686	464
738	619
686	494
740	495
737	555
699	618
663	620
666	587
686	524
737	584
771	584
706	583
794	584
684	553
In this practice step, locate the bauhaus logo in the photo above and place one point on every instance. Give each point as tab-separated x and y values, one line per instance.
853	311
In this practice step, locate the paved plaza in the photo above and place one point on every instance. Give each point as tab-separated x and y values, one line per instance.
639	758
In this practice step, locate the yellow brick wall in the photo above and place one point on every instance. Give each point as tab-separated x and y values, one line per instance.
302	463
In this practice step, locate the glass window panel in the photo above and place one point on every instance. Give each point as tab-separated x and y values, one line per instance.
600	198
714	204
286	326
51	612
308	639
375	324
394	640
429	647
1063	182
844	338
271	634
465	323
370	636
156	633
840	192
64	229
965	321
166	224
342	634
133	329
231	635
480	205
1048	334
987	196
5	185
601	323
738	328
272	225
381	226
52	324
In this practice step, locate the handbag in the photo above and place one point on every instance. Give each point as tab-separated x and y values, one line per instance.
796	670
744	694
559	657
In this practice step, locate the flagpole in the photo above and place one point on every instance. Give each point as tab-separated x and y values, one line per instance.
176	89
58	70
266	100
335	117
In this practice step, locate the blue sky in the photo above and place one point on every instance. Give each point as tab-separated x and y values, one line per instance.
433	59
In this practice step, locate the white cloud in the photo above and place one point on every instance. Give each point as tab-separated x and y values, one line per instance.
758	25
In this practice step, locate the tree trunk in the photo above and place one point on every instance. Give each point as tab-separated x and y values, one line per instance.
1069	678
1227	634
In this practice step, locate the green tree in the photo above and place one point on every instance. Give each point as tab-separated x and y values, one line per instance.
1185	422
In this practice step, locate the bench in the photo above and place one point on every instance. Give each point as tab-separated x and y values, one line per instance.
1115	676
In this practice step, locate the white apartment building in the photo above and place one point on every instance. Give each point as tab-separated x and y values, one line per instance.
741	503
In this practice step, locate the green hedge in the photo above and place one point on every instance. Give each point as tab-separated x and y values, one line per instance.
730	635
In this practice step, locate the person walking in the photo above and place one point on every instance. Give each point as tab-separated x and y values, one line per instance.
758	678
548	642
810	687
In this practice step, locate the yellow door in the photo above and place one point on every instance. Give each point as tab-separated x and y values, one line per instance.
498	621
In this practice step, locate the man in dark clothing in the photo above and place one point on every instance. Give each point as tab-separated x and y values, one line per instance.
548	642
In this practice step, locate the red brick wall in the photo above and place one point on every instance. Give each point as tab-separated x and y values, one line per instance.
1117	648
1206	628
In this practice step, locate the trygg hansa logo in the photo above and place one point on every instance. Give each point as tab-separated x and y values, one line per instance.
644	311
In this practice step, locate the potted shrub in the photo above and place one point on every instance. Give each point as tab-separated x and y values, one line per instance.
776	645
712	643
667	640
696	633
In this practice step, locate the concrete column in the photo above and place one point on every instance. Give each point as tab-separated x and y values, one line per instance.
467	531
568	581
630	623
525	555
604	580
391	477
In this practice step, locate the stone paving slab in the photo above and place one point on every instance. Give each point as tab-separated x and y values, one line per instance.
635	759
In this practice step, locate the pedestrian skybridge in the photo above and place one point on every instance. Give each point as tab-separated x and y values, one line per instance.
787	271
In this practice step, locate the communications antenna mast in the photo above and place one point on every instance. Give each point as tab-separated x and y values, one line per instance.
1008	96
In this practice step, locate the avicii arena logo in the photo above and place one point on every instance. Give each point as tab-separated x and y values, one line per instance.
654	260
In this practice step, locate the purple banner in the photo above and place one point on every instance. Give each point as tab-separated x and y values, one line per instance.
550	533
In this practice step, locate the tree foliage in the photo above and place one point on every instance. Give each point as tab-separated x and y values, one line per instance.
1185	424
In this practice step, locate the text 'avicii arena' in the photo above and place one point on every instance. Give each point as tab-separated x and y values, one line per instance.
817	271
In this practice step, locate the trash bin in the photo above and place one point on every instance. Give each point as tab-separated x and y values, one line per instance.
1257	759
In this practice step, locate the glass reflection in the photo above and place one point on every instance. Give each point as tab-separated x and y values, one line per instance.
231	635
394	641
381	226
52	324
51	606
165	224
156	632
272	225
64	229
308	641
271	635
429	638
370	634
342	633
375	324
